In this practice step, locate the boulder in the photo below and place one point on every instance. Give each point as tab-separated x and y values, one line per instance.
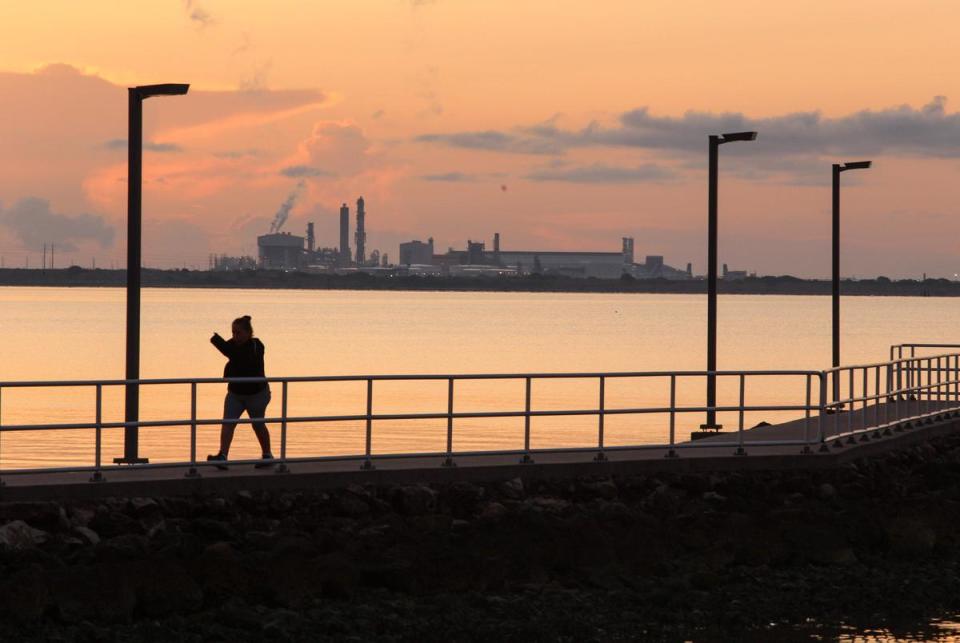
17	535
415	500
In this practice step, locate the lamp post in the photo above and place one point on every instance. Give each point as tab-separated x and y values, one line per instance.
837	169
136	96
715	142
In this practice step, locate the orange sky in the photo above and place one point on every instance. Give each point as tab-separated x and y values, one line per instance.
427	107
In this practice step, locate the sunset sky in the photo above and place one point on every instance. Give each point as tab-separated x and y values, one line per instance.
593	116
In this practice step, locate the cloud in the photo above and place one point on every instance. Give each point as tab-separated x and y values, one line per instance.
35	224
339	145
491	140
450	177
929	131
600	173
303	171
197	14
121	144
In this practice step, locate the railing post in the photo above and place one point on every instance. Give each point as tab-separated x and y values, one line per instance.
853	406
672	453
192	471
282	465
526	459
865	403
740	450
2	483
97	473
806	418
600	457
956	382
368	461
449	461
823	411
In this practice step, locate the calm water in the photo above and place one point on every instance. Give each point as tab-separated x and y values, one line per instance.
78	333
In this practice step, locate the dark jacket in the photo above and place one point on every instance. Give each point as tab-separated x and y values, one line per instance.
244	360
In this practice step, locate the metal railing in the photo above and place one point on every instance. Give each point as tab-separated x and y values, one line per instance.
879	398
885	397
805	405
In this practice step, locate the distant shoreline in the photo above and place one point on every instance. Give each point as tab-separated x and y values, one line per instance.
271	279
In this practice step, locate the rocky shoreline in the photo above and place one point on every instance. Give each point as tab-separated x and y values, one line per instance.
653	557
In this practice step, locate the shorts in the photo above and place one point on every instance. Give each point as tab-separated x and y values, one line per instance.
254	404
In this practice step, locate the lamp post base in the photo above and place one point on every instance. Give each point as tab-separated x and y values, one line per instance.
126	460
711	427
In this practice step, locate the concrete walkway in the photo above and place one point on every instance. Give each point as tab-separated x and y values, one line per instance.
765	447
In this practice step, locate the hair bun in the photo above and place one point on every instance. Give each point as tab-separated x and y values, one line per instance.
247	317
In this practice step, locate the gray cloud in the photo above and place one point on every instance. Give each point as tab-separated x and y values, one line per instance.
150	146
303	171
451	177
928	131
494	141
35	224
198	14
238	154
600	173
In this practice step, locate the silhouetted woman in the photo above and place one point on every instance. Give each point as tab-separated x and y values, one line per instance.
244	353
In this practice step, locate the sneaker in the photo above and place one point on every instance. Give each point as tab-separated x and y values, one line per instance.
218	458
267	462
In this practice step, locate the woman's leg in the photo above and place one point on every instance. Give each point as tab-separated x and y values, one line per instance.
232	408
257	408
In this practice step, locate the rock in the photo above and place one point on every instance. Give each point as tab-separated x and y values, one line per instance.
109	523
213	529
219	572
603	488
512	489
48	516
910	536
17	535
100	593
415	500
123	547
143	506
826	491
713	496
463	498
350	504
81	516
164	587
549	505
492	512
24	595
86	534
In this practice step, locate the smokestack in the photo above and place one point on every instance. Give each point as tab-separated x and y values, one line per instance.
344	235
628	250
496	248
311	240
361	234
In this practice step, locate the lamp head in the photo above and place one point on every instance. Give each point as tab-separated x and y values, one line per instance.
165	89
856	165
738	136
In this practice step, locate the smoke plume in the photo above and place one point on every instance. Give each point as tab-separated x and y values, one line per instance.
281	216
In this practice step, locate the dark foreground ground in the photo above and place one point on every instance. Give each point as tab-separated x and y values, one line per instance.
752	556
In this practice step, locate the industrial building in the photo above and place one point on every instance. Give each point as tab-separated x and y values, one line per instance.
416	253
476	259
281	251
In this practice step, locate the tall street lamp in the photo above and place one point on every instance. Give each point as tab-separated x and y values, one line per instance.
715	143
837	169
136	96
